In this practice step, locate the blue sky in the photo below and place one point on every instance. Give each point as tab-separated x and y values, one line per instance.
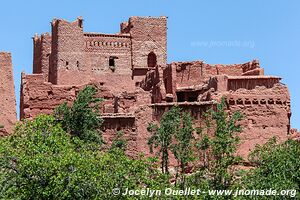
229	31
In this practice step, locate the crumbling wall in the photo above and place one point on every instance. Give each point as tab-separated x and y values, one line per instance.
198	72
150	80
42	97
154	82
294	134
42	52
249	83
266	114
188	73
37	65
39	97
8	114
168	79
118	110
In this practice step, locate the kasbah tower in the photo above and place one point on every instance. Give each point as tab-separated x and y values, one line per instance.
131	73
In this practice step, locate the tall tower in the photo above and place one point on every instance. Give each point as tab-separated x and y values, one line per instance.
67	52
149	42
8	114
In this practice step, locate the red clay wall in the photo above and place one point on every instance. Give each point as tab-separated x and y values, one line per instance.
154	82
100	48
78	58
266	114
68	55
38	96
249	83
197	72
37	65
121	112
148	34
8	114
42	52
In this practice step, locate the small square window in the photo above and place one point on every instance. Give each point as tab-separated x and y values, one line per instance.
111	62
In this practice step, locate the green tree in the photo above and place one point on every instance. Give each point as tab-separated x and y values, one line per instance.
203	147
41	161
162	135
222	145
277	167
119	141
183	145
82	119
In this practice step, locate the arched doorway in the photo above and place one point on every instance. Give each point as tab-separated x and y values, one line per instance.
151	60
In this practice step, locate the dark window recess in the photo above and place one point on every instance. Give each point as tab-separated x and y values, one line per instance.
187	96
192	96
151	60
112	63
180	96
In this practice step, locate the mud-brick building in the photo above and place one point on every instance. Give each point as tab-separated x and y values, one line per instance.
131	73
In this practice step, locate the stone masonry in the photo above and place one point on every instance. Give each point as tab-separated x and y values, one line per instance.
131	73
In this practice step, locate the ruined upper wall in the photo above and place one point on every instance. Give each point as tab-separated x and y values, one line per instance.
38	96
266	114
198	72
8	114
41	54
